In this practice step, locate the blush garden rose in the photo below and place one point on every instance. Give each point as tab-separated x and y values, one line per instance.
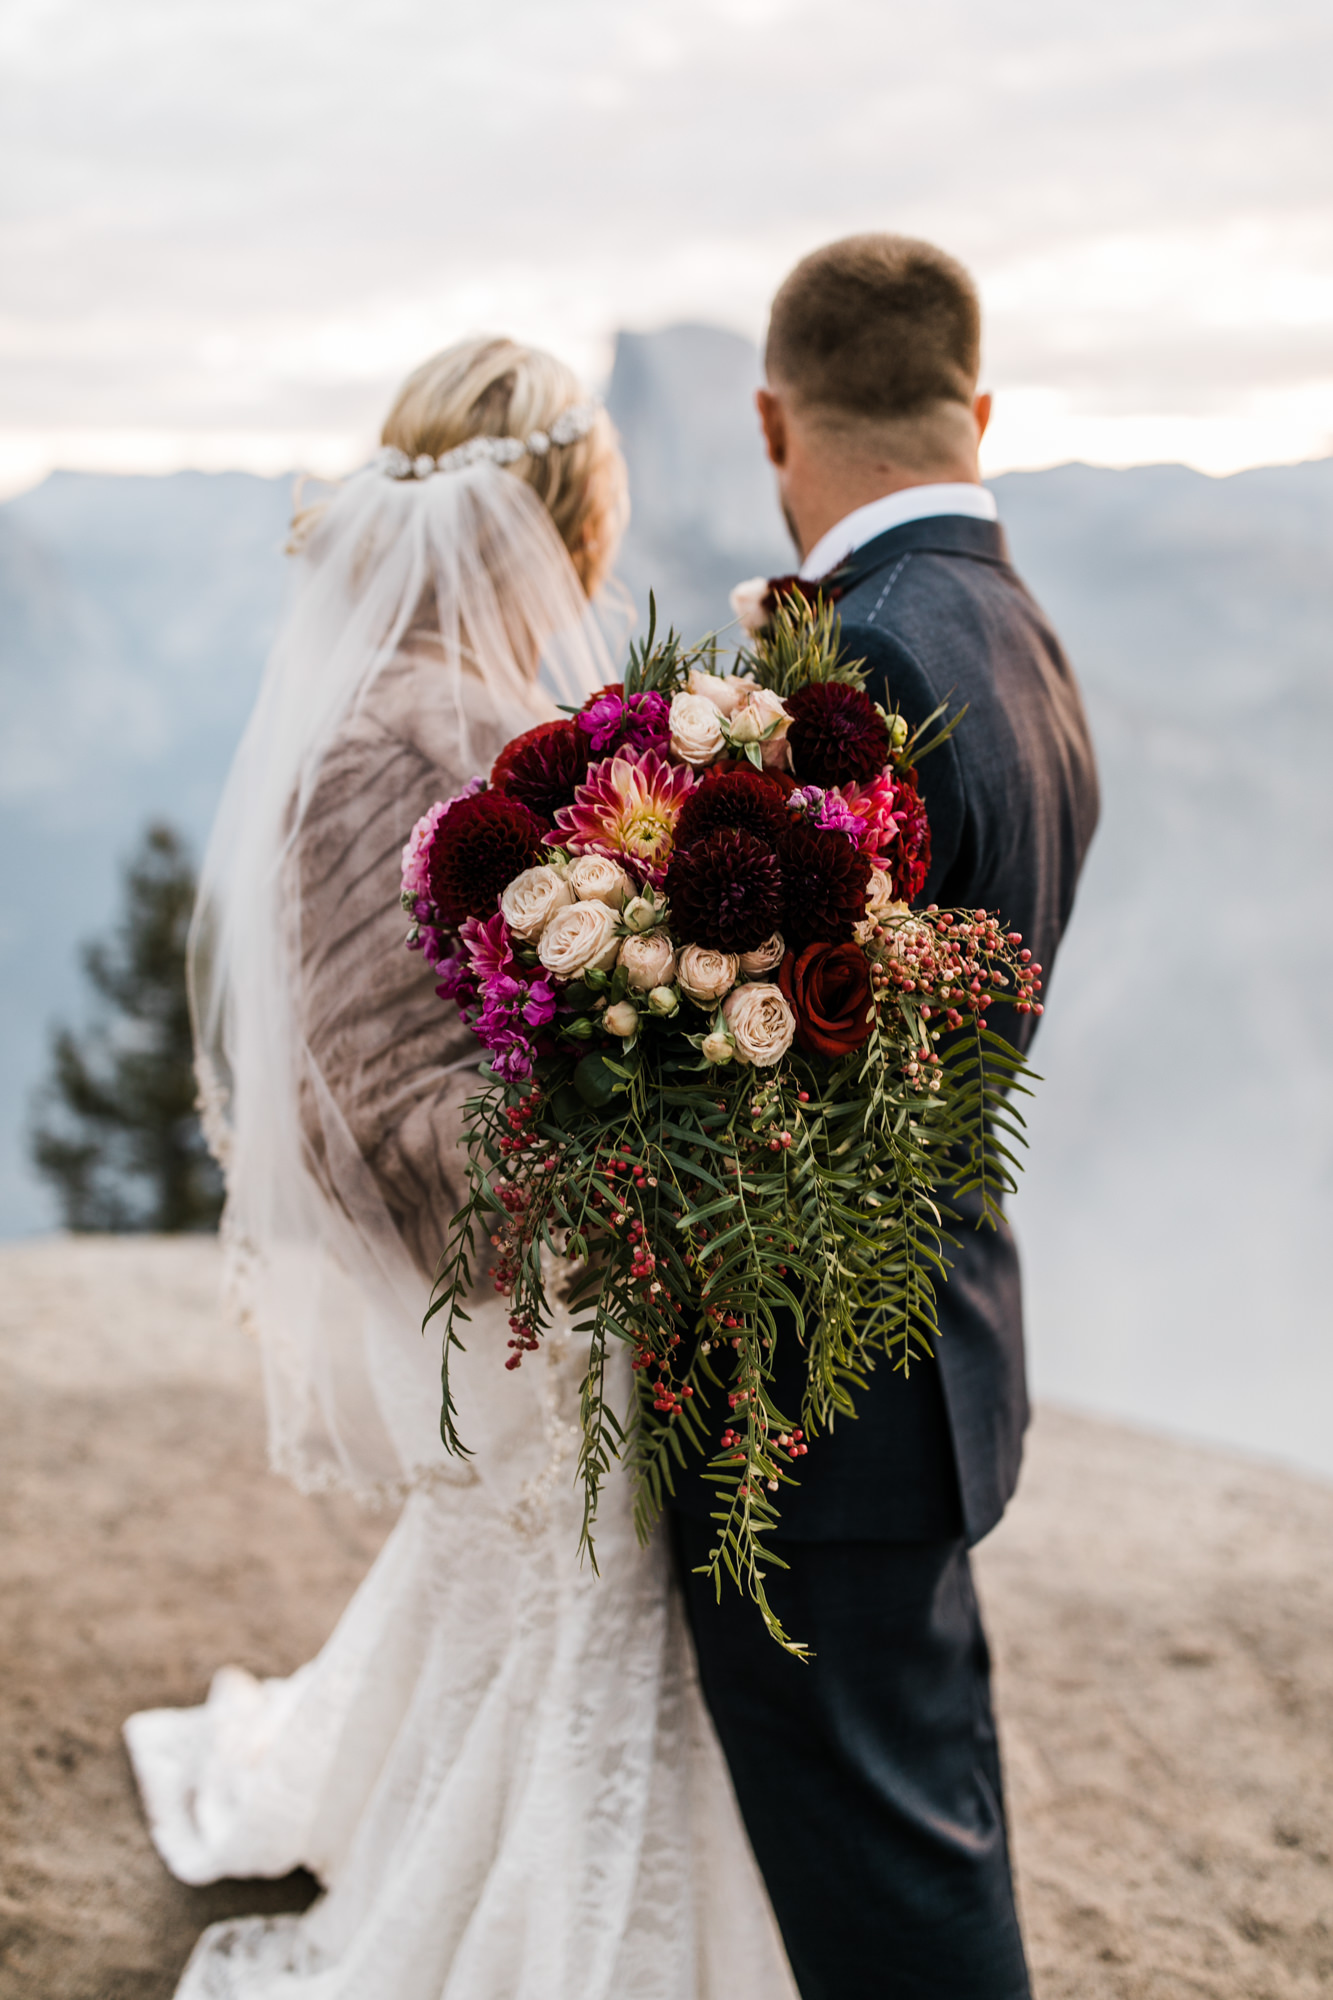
532	899
594	879
705	976
648	961
761	1022
696	733
577	938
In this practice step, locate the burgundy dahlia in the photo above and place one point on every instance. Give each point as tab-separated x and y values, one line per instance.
908	857
836	734
478	848
725	890
738	797
543	768
824	881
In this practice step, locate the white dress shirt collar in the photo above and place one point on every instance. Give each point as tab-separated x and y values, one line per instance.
914	503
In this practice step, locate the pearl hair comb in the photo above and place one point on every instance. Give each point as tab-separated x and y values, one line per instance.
568	427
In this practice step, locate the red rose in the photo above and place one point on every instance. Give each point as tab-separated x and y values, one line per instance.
828	990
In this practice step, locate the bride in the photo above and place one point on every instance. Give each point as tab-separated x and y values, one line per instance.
499	1766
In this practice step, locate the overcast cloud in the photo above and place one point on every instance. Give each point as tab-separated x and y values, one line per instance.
229	229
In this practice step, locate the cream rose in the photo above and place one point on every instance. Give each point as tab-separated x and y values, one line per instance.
764	956
531	900
716	1048
696	734
761	1023
577	937
706	975
595	879
748	601
880	903
725	691
648	961
621	1018
880	900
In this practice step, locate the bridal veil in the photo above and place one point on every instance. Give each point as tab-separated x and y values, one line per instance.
431	619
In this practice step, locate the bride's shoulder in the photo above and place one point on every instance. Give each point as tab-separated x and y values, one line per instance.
448	717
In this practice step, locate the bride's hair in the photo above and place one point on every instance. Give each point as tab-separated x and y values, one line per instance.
492	387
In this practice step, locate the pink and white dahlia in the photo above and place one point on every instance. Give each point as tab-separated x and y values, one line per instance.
627	809
872	807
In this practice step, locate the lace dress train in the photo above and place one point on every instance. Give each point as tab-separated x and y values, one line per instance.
499	1766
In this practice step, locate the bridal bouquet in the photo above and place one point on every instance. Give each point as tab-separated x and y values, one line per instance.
733	1077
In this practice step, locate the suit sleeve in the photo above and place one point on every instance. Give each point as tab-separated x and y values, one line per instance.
896	678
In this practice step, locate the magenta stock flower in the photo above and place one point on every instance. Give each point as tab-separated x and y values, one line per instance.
627	809
826	810
447	956
512	1004
614	720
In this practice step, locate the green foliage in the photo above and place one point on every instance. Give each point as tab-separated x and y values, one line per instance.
662	666
116	1131
801	643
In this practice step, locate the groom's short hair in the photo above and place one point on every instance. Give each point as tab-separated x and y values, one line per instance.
876	326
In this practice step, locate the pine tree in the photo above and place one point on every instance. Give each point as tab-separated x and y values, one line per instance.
116	1132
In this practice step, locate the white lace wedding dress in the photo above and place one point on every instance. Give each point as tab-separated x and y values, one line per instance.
499	1767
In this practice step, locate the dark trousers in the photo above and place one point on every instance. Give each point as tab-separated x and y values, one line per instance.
868	1778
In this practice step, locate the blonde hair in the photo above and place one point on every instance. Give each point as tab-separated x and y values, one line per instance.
492	387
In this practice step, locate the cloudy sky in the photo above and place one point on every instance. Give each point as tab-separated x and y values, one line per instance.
229	226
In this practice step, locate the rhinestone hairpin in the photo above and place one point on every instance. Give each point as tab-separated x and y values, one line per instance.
567	428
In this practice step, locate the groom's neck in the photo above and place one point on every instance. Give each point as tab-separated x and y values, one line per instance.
828	466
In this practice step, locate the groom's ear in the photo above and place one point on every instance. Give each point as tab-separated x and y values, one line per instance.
773	422
981	409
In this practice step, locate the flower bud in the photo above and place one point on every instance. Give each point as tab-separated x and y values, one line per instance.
621	1019
898	732
641	913
716	1048
664	1001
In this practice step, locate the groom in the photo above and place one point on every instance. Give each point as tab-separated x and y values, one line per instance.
869	1778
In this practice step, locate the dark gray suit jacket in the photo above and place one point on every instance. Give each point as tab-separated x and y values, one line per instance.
938	613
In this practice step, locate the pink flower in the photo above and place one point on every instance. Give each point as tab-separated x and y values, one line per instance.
512	1003
872	807
416	854
828	810
627	809
616	720
487	945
